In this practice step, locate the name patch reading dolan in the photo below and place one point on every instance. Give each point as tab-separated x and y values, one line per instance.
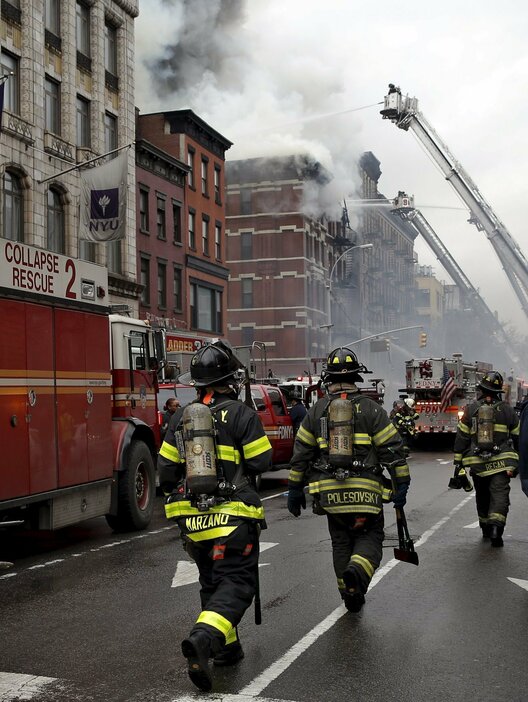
206	521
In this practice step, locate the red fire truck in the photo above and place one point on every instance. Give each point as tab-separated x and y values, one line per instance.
78	411
424	379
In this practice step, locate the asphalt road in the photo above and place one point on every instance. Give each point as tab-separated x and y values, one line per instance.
87	615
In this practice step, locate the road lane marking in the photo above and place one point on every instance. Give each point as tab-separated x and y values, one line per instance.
15	686
520	583
187	571
472	526
229	698
88	551
262	681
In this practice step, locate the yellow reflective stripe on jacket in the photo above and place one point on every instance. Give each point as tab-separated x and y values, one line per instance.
184	508
457	457
480	460
402	471
231	637
228	453
362	439
366	565
296	476
171	453
384	435
463	428
352	508
322	443
255	448
215	533
217	621
332	484
306	436
516	431
500	427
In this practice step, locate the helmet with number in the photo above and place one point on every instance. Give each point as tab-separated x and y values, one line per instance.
213	364
409	402
342	362
491	382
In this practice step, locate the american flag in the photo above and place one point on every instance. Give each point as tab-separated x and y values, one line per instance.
448	389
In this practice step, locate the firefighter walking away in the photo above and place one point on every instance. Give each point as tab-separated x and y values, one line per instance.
340	450
486	447
207	463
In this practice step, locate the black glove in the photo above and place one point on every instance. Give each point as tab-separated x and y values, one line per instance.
400	496
296	500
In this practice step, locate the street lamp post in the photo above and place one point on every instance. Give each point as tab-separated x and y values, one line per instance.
329	287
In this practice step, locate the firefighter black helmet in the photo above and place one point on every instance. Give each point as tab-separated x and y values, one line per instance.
491	382
342	362
211	365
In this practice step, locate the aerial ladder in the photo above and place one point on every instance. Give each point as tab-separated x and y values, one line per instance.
404	208
403	111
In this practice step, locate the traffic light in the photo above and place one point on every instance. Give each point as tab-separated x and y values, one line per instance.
423	339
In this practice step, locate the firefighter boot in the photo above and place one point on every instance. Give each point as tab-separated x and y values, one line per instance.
229	655
197	649
353	599
486	531
496	536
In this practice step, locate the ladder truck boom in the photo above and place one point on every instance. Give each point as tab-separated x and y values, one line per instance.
404	208
403	111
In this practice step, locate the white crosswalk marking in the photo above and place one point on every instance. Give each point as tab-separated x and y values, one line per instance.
520	583
15	686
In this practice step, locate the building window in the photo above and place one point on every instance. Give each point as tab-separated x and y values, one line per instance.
245	201
247	292
192	230
52	100
190	163
55	220
114	259
13	206
110	128
248	335
143	210
82	29
52	16
162	285
144	279
218	242
217	193
177	289
206	308
205	184
83	123
176	223
11	89
205	236
246	246
87	250
160	217
111	49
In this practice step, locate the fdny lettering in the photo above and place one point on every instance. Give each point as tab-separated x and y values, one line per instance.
357	406
206	521
352	496
223	416
285	432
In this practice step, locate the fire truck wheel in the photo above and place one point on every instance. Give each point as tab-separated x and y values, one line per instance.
136	491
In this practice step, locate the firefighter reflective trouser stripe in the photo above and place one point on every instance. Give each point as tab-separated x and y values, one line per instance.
361	550
228	584
492	494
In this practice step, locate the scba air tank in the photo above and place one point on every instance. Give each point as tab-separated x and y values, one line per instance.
340	433
485	422
200	453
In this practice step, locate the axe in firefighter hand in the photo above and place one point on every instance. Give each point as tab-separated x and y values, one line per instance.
405	551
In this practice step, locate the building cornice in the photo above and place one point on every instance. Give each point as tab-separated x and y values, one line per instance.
199	264
129	6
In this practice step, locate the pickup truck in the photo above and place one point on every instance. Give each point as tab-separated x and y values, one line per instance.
270	404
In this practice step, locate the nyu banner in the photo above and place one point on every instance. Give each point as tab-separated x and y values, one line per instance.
103	200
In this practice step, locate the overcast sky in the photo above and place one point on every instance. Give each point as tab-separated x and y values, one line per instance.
265	72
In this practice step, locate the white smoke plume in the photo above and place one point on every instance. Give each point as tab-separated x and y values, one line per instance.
254	80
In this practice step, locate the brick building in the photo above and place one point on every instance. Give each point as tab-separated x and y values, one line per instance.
70	98
197	260
278	258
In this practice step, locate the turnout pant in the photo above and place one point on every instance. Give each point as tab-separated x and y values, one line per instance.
357	543
492	494
228	569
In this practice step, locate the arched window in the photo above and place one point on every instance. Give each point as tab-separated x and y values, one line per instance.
13	208
55	211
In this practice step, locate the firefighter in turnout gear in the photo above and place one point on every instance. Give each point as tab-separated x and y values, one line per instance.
486	446
404	419
212	452
340	450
